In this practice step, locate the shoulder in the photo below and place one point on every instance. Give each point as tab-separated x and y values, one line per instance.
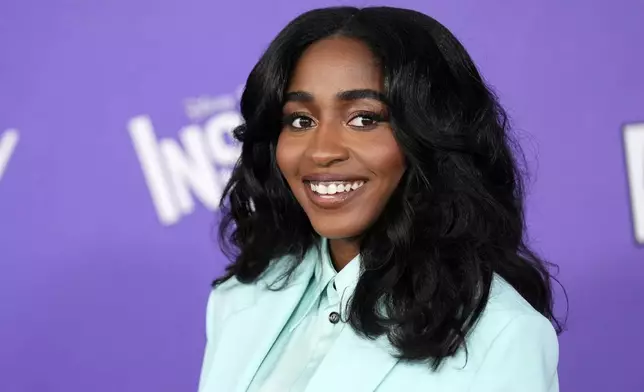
512	347
508	312
505	301
232	295
508	315
512	344
227	298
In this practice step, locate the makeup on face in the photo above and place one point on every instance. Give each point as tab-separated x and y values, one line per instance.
336	149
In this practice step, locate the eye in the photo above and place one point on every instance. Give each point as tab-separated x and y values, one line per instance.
299	121
302	122
365	121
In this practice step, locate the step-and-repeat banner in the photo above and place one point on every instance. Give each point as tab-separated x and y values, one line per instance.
115	144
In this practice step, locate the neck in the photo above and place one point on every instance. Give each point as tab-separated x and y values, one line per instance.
342	251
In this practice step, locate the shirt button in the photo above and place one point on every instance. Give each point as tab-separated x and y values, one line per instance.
334	317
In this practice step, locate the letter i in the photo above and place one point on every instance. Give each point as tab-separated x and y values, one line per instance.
145	144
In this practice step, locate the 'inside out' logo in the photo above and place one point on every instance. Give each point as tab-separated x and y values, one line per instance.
195	165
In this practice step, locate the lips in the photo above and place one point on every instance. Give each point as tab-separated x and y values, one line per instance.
331	188
332	191
327	177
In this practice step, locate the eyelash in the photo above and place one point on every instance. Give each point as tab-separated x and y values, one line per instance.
375	117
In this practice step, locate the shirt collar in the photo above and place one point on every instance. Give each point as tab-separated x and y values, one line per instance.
325	272
324	275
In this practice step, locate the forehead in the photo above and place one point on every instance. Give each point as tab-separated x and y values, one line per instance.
336	64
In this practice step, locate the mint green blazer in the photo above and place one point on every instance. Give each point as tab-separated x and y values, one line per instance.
512	348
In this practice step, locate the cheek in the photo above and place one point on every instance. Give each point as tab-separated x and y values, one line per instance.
395	163
284	156
388	161
288	154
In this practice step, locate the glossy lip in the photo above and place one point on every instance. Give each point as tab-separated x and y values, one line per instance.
328	177
338	200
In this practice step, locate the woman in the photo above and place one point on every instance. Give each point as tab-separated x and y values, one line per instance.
375	222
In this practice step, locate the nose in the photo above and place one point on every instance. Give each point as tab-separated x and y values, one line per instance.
327	146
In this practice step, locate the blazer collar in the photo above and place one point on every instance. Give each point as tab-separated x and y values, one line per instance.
248	333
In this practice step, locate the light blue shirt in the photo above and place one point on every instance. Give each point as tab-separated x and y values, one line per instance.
309	333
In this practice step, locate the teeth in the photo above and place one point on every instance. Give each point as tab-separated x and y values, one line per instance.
331	188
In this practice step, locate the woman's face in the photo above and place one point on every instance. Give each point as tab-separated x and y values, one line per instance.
336	149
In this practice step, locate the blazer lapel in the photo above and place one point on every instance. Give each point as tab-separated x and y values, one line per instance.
354	364
248	335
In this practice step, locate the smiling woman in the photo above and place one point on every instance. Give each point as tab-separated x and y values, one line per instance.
335	137
374	222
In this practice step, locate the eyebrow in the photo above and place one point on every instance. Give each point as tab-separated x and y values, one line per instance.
348	95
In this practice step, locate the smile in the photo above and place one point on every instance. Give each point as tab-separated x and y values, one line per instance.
333	194
331	188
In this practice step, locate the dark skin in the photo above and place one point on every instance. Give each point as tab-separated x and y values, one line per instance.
336	149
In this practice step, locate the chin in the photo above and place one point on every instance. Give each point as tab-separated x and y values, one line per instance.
337	231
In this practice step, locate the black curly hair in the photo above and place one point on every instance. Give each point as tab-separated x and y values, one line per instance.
457	216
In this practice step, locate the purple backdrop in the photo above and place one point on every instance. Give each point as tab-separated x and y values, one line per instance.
113	147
